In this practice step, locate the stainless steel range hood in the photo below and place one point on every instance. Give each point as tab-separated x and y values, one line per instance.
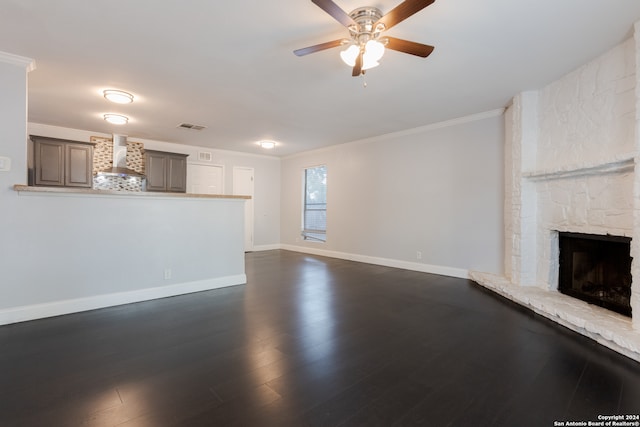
120	160
119	177
123	172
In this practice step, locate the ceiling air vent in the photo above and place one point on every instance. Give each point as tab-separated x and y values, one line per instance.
191	126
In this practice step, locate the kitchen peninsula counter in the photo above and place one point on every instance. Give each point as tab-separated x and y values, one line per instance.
100	248
146	194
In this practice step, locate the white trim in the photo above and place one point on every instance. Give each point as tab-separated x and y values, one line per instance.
439	125
412	131
58	308
406	265
260	248
249	214
22	61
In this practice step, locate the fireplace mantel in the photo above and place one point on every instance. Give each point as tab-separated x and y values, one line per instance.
617	164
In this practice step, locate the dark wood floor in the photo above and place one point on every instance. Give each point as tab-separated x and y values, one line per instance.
311	341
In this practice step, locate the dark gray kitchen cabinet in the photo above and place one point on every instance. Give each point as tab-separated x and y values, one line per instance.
166	171
62	163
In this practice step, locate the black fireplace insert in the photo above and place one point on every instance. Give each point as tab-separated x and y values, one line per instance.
596	269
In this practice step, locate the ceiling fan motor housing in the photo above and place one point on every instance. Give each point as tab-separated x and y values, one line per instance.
366	28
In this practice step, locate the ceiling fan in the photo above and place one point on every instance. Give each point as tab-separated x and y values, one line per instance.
366	44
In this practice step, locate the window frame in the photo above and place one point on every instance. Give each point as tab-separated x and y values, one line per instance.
308	234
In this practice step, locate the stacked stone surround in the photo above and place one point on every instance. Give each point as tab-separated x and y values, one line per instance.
570	165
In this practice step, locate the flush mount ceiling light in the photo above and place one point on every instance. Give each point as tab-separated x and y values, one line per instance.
267	145
116	119
118	96
365	45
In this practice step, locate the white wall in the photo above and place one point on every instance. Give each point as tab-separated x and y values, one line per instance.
266	175
437	190
68	253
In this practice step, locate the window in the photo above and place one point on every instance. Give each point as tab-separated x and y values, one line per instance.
314	222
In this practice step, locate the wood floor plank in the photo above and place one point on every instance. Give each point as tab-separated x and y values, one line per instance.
311	341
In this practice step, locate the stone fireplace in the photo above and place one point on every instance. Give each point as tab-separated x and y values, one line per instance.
571	150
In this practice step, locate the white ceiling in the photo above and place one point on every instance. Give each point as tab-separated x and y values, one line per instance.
229	65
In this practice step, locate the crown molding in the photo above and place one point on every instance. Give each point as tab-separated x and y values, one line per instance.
426	128
438	125
22	61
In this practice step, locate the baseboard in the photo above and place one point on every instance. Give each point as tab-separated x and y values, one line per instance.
58	308
259	248
406	265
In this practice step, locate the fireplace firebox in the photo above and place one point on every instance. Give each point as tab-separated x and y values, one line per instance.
596	269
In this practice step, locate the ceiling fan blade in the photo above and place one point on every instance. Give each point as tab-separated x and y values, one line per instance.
318	47
357	68
335	11
406	46
402	12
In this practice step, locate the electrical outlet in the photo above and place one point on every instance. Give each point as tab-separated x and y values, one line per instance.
418	255
167	273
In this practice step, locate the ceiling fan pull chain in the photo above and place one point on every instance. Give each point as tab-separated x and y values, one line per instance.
364	79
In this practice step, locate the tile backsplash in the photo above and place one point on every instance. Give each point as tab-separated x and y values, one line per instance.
103	162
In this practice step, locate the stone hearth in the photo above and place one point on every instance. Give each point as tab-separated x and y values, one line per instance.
610	329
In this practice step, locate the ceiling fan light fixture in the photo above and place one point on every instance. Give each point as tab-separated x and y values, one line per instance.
374	49
367	65
350	54
116	119
118	96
